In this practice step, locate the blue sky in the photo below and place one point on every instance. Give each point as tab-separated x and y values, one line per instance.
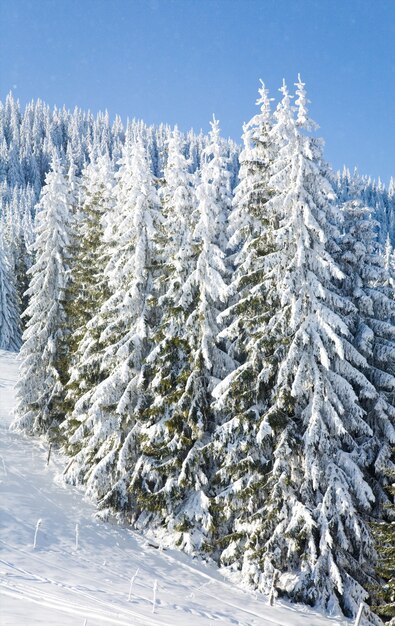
178	61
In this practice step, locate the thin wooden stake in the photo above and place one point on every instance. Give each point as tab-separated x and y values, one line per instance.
49	453
131	584
69	464
154	598
272	593
77	536
359	615
35	533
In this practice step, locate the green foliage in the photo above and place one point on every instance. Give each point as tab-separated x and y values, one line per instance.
384	534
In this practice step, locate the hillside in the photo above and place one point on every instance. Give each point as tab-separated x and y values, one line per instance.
58	584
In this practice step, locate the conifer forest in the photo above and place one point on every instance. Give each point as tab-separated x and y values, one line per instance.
207	331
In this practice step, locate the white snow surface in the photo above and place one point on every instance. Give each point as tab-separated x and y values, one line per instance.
60	584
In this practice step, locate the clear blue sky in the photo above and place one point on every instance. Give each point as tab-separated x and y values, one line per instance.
178	61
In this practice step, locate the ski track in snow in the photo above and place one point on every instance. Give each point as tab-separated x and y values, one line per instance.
57	584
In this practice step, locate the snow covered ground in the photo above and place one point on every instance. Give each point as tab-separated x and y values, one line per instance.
60	583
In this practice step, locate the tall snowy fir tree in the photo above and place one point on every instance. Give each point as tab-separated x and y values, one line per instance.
87	288
366	285
105	419
241	396
18	237
172	475
42	376
318	495
153	474
10	332
307	504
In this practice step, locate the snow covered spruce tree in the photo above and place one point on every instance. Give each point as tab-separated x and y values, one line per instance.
153	476
10	331
87	288
43	354
306	527
367	285
172	475
241	396
18	236
104	424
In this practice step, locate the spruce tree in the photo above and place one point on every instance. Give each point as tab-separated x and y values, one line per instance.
168	360
43	374
172	475
87	288
241	396
105	419
10	332
367	286
308	498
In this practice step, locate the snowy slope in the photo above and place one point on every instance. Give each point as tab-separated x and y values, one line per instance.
61	585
